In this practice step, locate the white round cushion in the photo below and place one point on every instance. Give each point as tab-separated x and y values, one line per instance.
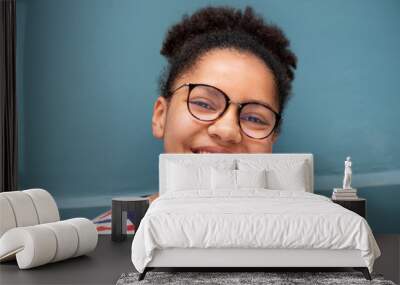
26	208
40	244
87	235
45	205
33	246
23	208
66	238
7	218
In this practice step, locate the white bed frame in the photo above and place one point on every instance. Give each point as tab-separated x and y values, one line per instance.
242	258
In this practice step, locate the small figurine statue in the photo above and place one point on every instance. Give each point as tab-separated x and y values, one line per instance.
347	174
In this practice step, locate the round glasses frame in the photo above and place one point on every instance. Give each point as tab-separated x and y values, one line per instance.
228	101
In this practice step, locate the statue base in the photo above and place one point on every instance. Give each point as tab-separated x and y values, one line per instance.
344	190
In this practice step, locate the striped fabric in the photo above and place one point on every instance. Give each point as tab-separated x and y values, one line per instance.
103	223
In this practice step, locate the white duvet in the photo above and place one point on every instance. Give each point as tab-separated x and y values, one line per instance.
252	218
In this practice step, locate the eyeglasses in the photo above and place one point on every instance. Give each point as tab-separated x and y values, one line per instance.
208	103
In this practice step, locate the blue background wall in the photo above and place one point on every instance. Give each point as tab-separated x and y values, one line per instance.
87	79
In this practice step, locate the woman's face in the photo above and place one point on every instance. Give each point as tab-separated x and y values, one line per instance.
243	77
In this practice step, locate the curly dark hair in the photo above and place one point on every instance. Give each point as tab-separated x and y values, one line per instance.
225	27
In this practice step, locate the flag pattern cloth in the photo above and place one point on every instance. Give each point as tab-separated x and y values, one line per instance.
103	223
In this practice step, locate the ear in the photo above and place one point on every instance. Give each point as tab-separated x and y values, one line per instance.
159	117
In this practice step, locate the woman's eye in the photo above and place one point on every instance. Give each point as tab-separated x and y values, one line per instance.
202	104
253	119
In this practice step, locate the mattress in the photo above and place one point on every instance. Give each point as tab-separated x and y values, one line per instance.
250	219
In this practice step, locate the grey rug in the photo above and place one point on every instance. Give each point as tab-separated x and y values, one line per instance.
226	278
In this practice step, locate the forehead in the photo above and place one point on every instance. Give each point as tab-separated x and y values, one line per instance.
241	75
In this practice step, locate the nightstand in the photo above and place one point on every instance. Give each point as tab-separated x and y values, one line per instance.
120	208
358	206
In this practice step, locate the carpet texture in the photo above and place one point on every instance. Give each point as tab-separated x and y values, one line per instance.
268	278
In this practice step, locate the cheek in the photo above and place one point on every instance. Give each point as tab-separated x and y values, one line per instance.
180	128
264	146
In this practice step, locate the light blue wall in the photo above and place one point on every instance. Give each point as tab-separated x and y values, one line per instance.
87	80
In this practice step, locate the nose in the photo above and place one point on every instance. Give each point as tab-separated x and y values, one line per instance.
226	128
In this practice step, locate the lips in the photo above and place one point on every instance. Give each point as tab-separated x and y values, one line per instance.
209	149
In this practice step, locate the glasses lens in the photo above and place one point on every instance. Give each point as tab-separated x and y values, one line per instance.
206	103
257	121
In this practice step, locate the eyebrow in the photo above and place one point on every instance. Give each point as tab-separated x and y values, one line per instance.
259	102
255	101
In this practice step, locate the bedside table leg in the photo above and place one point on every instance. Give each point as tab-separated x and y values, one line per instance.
117	222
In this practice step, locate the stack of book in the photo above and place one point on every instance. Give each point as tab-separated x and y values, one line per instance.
344	194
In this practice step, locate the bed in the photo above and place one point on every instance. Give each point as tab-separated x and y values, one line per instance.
247	210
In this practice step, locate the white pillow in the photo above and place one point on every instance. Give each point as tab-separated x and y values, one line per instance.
291	178
251	178
281	174
181	178
228	179
187	174
223	179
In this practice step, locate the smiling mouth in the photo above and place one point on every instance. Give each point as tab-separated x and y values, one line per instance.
203	150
